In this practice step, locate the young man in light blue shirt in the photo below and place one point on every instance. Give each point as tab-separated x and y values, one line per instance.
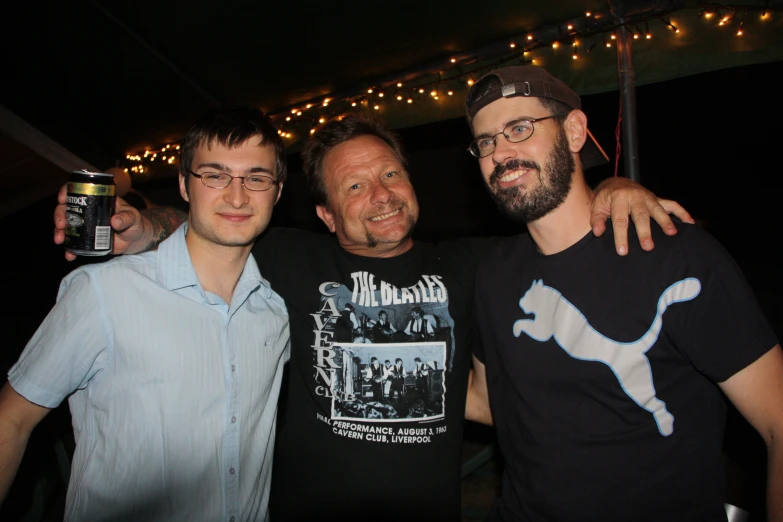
171	360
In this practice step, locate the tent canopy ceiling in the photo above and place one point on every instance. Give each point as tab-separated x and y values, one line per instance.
108	78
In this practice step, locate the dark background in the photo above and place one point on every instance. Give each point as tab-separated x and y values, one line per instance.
705	140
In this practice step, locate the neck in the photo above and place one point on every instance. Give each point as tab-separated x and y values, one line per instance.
381	250
568	223
218	267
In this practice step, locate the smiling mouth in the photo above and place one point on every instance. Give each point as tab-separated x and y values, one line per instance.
512	176
385	216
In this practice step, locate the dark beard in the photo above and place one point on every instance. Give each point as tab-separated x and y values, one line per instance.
554	185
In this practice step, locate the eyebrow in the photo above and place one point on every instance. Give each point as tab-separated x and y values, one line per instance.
518	118
227	169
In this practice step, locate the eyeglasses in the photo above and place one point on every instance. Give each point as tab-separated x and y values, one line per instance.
221	180
516	131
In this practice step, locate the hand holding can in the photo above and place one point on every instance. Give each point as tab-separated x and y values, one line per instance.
89	208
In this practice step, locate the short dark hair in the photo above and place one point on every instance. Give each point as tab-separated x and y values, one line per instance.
231	126
397	360
334	133
492	83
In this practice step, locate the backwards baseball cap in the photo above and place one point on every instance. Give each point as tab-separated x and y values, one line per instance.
533	81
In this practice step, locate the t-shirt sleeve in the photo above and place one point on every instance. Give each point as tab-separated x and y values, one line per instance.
67	350
725	330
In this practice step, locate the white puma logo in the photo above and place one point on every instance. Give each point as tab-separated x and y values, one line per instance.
558	318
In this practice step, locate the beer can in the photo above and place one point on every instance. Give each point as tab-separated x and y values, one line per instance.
89	209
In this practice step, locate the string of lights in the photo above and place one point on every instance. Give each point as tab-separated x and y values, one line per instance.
443	78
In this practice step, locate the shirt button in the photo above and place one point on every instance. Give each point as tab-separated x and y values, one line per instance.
231	471
233	368
266	343
231	519
233	419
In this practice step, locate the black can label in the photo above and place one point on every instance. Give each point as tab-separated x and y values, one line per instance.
89	209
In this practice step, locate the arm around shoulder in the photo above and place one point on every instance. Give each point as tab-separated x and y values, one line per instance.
757	392
18	417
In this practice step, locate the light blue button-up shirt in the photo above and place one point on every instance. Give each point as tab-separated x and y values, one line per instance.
174	391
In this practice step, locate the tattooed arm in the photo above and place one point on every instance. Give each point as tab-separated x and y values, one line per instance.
134	231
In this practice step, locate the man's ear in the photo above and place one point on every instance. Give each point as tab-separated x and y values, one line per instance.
279	192
183	188
575	127
326	216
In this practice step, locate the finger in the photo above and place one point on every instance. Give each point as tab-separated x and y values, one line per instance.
62	195
620	228
672	207
598	222
60	217
59	236
69	256
121	220
660	216
641	221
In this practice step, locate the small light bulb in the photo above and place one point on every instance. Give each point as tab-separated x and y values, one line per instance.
613	37
435	97
648	36
512	45
293	111
588	13
570	27
555	45
433	93
530	37
353	104
451	93
421	91
308	105
410	100
380	95
312	131
288	118
573	56
321	120
739	33
470	81
299	113
399	84
376	107
453	60
369	91
635	36
399	97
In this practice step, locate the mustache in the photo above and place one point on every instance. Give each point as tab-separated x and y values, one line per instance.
511	165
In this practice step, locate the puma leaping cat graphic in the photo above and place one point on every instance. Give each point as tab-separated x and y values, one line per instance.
556	317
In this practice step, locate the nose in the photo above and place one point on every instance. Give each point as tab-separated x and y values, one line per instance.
504	150
380	193
236	194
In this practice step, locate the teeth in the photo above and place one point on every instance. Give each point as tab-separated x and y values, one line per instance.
385	216
511	176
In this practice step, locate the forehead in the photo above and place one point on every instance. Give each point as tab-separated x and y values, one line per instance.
496	115
362	155
250	151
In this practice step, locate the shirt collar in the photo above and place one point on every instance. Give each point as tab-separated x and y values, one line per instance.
176	271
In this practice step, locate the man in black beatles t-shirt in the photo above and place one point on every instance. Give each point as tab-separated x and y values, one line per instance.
341	454
605	373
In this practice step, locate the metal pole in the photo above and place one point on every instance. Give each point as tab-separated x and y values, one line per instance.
630	140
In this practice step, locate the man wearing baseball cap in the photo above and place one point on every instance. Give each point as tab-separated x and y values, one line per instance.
606	390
